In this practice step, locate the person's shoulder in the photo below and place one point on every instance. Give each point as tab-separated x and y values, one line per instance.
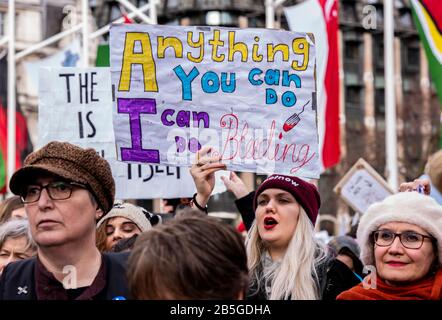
18	270
116	264
117	257
116	275
356	292
17	280
20	267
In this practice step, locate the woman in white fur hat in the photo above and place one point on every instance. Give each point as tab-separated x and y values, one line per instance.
401	237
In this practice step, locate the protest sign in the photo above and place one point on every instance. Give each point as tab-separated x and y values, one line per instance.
247	93
75	105
362	186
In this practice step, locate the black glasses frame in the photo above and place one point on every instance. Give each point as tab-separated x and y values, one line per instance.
400	235
75	184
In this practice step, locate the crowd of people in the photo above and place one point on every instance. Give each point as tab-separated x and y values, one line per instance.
63	236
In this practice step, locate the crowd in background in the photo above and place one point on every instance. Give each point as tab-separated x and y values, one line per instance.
64	236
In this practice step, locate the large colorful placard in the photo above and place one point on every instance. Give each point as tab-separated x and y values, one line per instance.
75	105
248	93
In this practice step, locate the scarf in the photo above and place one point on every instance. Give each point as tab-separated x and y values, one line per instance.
429	288
269	268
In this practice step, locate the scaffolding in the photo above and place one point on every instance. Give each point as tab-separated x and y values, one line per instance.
86	36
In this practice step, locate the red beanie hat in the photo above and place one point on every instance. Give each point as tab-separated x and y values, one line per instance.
304	192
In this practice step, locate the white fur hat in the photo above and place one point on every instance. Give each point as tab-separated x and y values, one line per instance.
409	207
129	211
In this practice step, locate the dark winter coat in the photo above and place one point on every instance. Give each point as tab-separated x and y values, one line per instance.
18	279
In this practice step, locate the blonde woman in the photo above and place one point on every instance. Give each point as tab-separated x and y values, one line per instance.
285	260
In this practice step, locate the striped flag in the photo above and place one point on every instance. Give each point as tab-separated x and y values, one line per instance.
23	142
103	51
23	145
428	18
320	17
3	148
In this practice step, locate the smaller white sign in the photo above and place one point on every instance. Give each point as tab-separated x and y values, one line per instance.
362	186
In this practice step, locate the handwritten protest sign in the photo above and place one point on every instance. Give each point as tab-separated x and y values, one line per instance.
247	93
362	186
75	105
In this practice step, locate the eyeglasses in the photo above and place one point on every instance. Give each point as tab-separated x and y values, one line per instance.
58	190
409	239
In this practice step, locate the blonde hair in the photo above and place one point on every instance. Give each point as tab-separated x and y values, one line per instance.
296	277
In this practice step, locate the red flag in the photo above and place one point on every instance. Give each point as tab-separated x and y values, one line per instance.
321	18
331	145
22	147
3	148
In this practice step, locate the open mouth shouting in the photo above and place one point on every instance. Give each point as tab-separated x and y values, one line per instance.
269	223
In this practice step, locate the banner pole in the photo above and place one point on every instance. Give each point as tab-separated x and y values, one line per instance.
11	93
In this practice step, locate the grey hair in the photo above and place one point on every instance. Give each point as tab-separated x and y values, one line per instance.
15	229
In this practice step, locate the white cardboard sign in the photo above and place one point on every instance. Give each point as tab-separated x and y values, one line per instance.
75	105
247	93
362	186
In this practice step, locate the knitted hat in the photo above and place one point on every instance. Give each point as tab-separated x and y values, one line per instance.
304	192
72	163
409	207
341	242
129	211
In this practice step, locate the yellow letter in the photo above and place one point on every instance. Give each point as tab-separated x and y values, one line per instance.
144	58
272	49
199	44
237	47
215	42
255	56
172	42
300	46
